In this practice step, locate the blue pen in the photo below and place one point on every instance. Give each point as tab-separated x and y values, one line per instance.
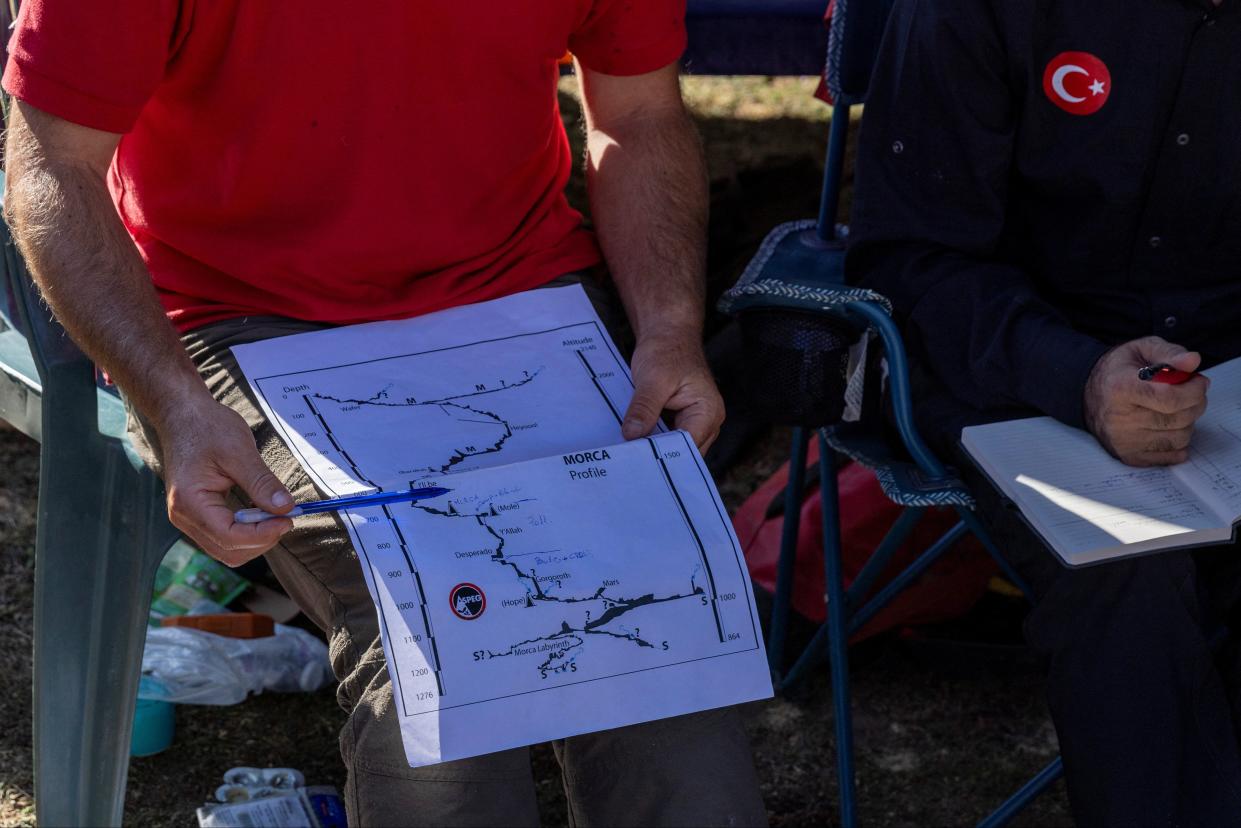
375	499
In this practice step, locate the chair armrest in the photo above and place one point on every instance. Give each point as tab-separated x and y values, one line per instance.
795	268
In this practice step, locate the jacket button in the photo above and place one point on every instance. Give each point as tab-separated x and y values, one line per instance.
898	147
1154	241
1170	322
1182	140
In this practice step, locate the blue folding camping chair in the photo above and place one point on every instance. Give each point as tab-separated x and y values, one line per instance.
798	318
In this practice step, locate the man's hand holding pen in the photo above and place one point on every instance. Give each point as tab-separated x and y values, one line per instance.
1142	400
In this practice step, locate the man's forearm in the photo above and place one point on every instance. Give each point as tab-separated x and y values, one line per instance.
648	195
91	275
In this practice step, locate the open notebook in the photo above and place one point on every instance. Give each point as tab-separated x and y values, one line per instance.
1089	507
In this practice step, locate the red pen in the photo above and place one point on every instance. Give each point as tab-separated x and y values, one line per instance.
1162	372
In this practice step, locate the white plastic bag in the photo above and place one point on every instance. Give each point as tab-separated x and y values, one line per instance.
196	667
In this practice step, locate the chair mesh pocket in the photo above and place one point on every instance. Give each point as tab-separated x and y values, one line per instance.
795	365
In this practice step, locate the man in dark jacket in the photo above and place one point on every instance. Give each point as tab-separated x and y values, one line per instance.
1050	193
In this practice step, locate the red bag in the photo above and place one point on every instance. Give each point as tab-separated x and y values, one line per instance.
949	589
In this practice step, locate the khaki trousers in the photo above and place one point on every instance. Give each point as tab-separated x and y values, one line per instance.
691	770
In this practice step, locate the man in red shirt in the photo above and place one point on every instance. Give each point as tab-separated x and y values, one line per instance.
245	169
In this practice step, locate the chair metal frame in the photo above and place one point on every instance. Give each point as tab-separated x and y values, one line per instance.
848	609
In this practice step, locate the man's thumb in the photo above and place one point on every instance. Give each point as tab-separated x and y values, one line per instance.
1169	353
263	487
643	411
1186	361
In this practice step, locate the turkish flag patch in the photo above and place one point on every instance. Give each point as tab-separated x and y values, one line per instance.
1077	82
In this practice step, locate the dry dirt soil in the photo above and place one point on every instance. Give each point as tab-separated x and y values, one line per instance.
941	738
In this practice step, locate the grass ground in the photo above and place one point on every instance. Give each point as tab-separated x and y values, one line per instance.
935	746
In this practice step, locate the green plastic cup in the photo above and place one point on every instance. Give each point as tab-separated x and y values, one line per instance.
154	722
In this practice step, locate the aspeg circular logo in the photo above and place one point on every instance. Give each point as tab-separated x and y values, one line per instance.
467	601
1077	82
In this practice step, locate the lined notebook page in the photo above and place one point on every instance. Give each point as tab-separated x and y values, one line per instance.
1214	467
1084	502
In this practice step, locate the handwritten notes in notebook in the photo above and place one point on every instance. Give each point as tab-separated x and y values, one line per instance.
1089	507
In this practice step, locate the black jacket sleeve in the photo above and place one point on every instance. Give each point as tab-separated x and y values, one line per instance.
929	216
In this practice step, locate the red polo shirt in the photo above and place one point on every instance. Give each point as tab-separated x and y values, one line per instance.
312	159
